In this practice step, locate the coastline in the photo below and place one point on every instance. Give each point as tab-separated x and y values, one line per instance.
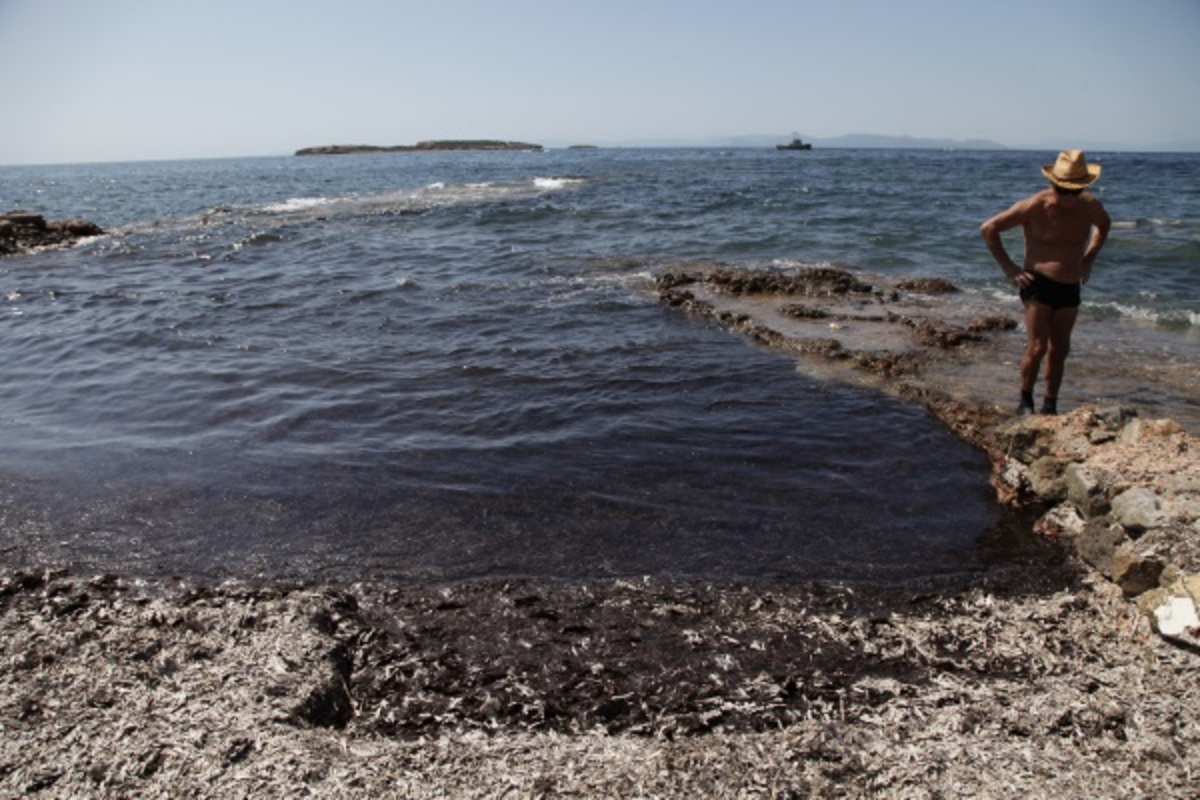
1041	676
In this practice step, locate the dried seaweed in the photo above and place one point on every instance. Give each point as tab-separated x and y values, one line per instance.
627	688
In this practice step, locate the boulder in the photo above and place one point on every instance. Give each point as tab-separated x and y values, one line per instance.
1088	487
1137	509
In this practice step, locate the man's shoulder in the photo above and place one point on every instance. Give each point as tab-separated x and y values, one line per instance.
1094	207
1034	202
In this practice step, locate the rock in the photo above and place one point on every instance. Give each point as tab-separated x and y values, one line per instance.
1138	430
1047	478
927	286
1190	585
1062	521
19	219
1135	572
1087	489
1024	439
1175	543
1098	543
1177	616
21	231
1114	418
1174	610
1137	509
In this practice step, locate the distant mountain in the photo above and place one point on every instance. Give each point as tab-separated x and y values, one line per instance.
871	140
854	140
1101	146
875	140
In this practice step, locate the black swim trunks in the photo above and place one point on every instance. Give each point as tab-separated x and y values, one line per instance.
1050	292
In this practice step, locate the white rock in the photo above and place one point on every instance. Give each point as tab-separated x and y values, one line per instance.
1176	616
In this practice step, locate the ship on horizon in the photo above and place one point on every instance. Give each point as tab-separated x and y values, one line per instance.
794	144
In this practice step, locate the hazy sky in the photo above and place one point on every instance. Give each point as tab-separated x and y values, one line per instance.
148	79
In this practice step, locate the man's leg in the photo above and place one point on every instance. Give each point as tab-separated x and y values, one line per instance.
1062	322
1037	330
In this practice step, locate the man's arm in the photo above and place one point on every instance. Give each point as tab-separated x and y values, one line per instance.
991	230
1100	227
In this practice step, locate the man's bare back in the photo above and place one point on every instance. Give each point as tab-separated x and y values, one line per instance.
1063	233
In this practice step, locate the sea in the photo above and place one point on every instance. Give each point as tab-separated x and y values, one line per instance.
446	366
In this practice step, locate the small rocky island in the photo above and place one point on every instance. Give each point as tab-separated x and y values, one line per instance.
420	147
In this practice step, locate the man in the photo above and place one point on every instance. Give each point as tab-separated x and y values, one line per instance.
1064	230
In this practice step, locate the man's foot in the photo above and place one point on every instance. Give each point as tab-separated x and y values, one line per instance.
1049	406
1025	408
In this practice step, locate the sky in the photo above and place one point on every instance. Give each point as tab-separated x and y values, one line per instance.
127	80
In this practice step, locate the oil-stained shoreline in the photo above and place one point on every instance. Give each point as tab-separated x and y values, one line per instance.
1038	676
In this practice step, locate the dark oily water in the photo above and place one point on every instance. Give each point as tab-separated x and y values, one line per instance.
741	471
437	376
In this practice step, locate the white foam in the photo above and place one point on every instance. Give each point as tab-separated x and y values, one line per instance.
556	183
296	204
1142	314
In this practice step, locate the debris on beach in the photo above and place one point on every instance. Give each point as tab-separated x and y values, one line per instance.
1044	684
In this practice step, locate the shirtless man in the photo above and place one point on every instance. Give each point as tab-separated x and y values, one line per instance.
1064	231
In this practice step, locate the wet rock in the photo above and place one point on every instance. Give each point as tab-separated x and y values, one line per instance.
929	333
927	286
21	231
809	281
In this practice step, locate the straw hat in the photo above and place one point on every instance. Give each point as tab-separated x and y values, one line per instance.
1071	170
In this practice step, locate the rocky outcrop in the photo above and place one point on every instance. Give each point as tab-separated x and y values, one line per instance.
21	231
419	147
1124	493
882	330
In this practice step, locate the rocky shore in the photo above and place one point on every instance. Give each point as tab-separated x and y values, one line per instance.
22	231
1067	671
1123	492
